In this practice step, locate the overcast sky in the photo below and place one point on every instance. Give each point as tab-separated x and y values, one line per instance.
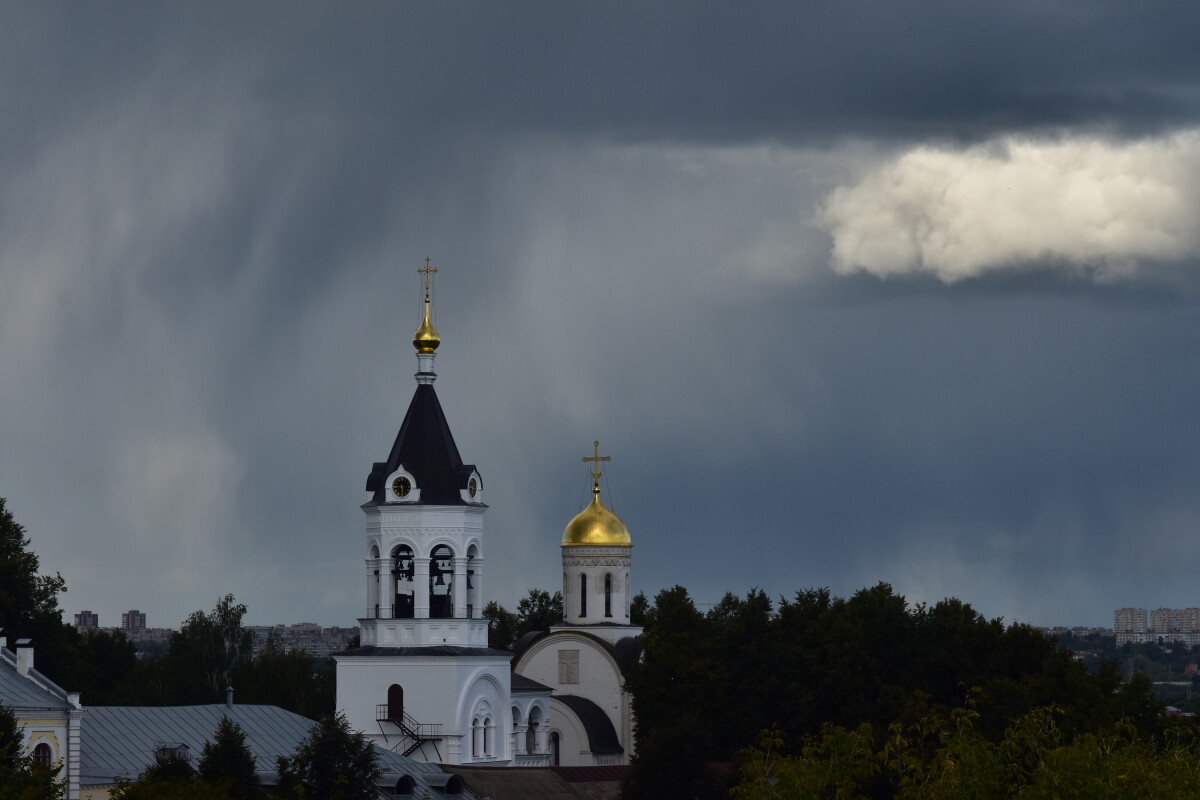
850	292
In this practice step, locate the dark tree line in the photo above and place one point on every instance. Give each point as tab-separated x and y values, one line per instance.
710	683
211	651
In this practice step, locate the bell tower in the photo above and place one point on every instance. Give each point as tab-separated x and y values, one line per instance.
424	543
423	679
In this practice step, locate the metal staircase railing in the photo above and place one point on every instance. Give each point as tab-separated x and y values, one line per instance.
416	733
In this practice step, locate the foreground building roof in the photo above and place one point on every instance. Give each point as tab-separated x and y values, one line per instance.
121	741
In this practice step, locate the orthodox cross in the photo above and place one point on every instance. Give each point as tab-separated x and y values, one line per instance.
596	459
427	271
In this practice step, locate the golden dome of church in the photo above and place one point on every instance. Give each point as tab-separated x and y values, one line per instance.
596	525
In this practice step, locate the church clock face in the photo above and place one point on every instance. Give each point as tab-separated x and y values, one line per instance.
401	486
472	488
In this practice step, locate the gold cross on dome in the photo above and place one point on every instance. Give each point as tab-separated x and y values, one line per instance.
427	271
596	459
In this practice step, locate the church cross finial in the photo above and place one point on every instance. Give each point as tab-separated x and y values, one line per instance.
596	459
427	271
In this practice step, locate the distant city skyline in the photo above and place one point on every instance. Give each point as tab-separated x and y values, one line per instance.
850	293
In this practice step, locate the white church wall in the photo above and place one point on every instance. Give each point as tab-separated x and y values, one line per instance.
438	690
596	676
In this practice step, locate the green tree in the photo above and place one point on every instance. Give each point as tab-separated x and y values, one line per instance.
210	651
104	662
20	777
640	611
502	626
538	610
228	763
290	679
29	601
672	690
331	763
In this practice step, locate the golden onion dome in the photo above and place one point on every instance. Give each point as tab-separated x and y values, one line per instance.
596	525
426	339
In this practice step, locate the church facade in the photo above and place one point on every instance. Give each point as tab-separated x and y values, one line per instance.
423	681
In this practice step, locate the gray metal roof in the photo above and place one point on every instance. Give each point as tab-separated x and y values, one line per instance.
25	693
120	741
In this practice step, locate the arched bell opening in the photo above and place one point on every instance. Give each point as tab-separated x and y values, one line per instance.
441	582
474	581
403	570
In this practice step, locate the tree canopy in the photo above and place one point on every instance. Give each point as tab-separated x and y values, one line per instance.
228	762
709	683
29	599
537	611
331	763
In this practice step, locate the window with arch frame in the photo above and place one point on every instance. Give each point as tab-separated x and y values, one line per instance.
42	755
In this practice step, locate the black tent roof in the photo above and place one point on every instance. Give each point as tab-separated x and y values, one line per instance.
425	448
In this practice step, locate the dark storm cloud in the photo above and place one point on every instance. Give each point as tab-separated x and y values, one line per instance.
210	216
679	71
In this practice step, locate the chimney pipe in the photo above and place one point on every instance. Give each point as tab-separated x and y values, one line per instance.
24	656
229	697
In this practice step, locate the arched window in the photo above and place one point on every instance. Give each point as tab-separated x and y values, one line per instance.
555	741
608	595
441	579
42	755
489	735
395	704
476	738
406	785
535	719
403	570
583	595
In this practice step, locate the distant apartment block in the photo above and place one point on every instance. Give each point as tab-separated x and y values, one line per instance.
1160	626
87	621
1077	631
318	642
133	621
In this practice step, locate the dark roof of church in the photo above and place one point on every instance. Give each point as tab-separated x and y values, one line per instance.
602	736
425	448
522	684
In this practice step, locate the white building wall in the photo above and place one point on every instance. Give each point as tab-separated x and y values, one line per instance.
548	661
438	690
595	563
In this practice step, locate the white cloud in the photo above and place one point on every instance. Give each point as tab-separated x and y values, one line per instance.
1079	204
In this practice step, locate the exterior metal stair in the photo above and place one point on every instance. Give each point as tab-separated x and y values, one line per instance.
412	732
